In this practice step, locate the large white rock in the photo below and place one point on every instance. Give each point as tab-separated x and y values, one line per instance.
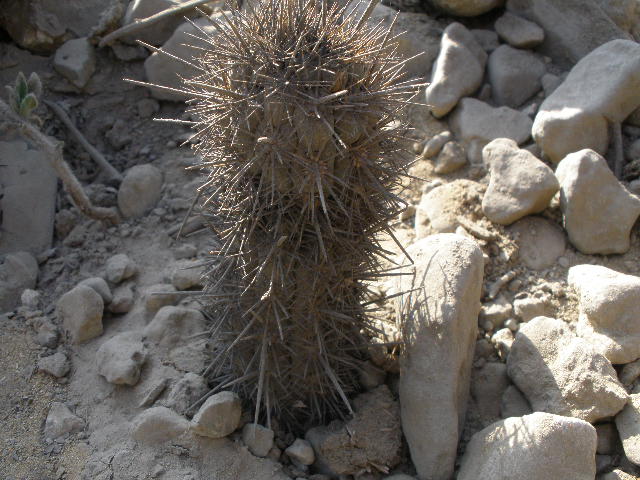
561	373
598	211
140	190
628	424
466	8
539	446
80	310
439	329
218	416
603	87
158	425
519	183
609	315
120	359
573	28
515	75
458	70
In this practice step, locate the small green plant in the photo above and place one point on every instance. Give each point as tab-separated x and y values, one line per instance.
24	94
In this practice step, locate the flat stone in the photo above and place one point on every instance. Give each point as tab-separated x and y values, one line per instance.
80	310
540	242
515	75
518	32
218	416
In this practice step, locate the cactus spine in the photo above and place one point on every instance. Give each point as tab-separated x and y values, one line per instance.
297	108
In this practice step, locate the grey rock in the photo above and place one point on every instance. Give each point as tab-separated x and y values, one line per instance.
466	8
608	304
301	451
46	333
502	340
601	88
617	474
450	159
218	416
563	374
147	107
120	267
598	211
258	439
158	425
488	385
528	308
80	310
186	392
459	52
435	144
30	299
515	75
152	393
513	403
56	365
628	424
629	373
140	190
18	272
157	296
607	438
76	61
519	185
100	286
624	13
518	32
187	275
171	325
540	243
441	327
122	301
120	359
60	421
185	251
540	446
549	83
488	39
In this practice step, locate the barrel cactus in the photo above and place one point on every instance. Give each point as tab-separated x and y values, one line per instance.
298	114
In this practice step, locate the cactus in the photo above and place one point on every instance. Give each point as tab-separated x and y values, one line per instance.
24	94
298	111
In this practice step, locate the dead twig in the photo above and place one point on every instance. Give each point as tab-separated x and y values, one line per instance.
95	154
53	150
143	23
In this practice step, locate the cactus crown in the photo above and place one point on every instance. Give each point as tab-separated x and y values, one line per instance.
24	94
296	107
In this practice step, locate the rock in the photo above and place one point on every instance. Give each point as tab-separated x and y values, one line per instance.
540	243
549	83
193	356
573	28
439	208
258	439
120	359
609	317
598	211
219	416
80	310
18	272
515	75
172	324
371	376
488	385
140	190
56	365
60	422
165	71
502	341
451	158
435	144
46	333
119	135
185	251
488	39
128	53
540	446
441	328
30	299
186	391
617	474
527	308
496	312
519	185
628	424
160	295
518	32
601	88
466	8
122	301
187	275
607	438
120	267
153	392
624	13
513	403
158	425
629	373
29	186
301	451
100	286
372	437
563	374
459	52
474	120
76	61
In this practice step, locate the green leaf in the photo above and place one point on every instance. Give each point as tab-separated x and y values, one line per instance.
28	104
21	86
34	84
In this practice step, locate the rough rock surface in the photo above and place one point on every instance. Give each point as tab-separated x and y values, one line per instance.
628	424
160	295
450	159
515	75
519	184
440	328
158	425
186	392
488	385
598	211
81	312
120	267
76	61
563	374
573	28
540	242
100	286
218	416
18	272
603	87
518	32
459	52
539	446
466	8
120	358
258	439
372	437
60	421
172	324
140	190
301	451
609	316
513	403
56	365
